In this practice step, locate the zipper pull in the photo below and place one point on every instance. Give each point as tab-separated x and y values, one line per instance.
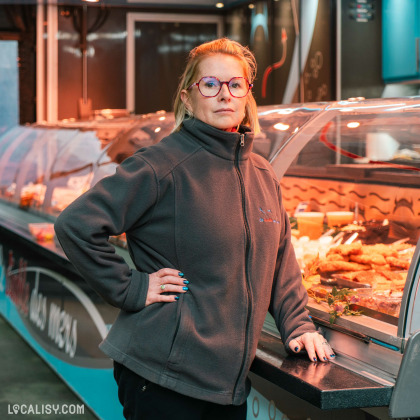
242	140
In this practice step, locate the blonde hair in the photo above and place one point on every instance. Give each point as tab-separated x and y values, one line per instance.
218	46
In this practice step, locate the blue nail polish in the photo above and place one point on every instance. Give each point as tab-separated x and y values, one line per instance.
186	282
332	355
296	348
176	297
314	359
185	288
324	358
181	274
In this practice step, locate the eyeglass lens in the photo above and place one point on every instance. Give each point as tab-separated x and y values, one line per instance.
210	86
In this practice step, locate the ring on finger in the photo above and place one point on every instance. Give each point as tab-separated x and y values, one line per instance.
162	287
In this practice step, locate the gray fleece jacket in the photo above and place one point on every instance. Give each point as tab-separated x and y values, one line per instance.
201	202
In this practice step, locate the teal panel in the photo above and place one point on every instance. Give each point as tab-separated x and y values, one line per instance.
400	32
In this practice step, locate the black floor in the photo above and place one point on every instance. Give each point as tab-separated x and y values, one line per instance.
28	384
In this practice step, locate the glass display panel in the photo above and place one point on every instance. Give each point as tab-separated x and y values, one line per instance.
14	147
72	172
279	125
8	169
354	205
46	168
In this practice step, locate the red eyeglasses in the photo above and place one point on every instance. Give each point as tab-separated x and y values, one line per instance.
210	86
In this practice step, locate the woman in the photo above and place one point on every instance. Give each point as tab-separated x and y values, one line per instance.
211	244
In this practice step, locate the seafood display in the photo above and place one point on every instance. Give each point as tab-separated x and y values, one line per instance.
375	274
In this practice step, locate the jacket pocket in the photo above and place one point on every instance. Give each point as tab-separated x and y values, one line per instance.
181	334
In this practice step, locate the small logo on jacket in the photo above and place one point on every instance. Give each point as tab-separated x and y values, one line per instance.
267	216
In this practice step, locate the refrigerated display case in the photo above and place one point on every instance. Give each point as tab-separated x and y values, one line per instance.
356	163
42	169
359	158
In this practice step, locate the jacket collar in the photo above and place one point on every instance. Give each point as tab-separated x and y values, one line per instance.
219	142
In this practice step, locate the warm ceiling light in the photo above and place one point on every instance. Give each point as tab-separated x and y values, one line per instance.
220	5
251	5
92	1
281	126
353	124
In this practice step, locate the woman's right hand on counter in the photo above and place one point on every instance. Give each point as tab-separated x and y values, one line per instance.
315	344
163	281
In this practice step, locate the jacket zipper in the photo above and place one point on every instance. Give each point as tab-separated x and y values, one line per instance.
247	247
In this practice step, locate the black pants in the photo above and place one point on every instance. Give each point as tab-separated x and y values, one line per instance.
144	400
